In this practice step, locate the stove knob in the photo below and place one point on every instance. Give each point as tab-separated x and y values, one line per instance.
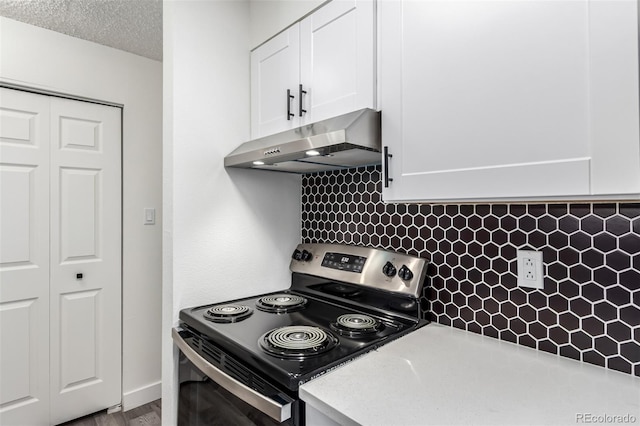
297	255
405	273
305	256
389	270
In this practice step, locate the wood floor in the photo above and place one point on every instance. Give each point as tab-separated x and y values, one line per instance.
145	415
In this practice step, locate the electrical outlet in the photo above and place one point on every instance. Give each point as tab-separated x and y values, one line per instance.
530	269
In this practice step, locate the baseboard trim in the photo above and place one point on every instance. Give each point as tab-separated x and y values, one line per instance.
141	396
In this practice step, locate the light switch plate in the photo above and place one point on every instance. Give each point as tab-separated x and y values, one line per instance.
149	216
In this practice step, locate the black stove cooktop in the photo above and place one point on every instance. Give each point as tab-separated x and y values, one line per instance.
294	335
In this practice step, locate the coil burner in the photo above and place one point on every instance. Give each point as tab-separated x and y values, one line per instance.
356	325
297	341
228	313
281	303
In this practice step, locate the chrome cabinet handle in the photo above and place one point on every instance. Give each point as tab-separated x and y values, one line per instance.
289	97
387	179
300	93
273	409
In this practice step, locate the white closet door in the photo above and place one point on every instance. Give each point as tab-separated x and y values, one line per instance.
85	258
24	258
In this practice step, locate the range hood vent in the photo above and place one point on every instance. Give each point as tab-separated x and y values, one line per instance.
343	142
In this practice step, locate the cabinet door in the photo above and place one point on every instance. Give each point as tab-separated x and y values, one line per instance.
275	68
486	100
337	59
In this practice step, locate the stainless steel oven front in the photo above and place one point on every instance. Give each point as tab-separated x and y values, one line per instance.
216	389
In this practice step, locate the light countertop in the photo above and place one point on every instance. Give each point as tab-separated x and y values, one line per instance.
440	375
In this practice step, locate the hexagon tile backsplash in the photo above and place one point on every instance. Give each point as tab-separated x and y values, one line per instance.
589	309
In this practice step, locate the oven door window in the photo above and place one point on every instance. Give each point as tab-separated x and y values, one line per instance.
203	402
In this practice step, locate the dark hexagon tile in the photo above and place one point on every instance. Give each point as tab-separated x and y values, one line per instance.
569	321
630	210
527	313
581	340
499	321
580	274
548	317
548	345
509	336
630	315
619	331
592	258
569	289
517	210
490	306
508	223
606	346
537	210
570	352
558	303
536	239
527	223
618	295
580	307
482	318
591	224
568	256
466	314
538	299
538	330
518	326
617	225
518	296
558	240
547	224
579	210
490	331
593	357
631	351
605	276
519	238
474	302
630	243
618	260
558	335
558	210
604	210
527	340
593	326
557	271
605	311
619	364
580	241
604	242
569	224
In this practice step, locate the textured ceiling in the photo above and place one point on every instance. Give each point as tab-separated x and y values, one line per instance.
131	25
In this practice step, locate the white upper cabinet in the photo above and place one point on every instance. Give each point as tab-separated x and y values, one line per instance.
326	62
509	100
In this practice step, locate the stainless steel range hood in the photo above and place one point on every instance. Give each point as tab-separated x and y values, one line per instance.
347	141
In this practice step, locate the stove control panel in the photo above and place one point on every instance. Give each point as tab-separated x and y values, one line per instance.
344	262
365	266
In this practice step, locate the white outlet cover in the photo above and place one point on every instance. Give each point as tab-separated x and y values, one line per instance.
538	270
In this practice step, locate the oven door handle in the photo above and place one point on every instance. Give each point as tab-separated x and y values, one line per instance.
268	406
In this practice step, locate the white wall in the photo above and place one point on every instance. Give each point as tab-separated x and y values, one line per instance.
227	233
269	17
45	59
